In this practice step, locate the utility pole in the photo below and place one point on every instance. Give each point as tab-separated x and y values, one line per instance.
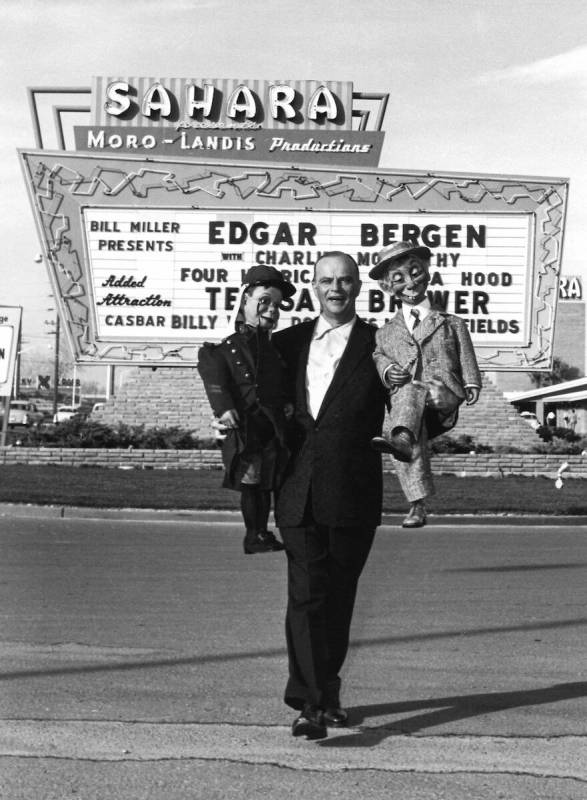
56	368
55	333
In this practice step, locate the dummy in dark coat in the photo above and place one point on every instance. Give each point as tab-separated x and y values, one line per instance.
244	372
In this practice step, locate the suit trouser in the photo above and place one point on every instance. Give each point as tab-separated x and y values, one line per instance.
407	411
415	476
324	565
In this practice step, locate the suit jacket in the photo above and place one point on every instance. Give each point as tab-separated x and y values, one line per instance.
332	460
442	349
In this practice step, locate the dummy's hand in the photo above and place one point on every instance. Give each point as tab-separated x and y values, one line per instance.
288	410
472	395
396	376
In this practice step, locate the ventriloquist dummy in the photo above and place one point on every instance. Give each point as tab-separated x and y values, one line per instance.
245	380
426	359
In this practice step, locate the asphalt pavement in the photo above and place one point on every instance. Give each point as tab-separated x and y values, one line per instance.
143	657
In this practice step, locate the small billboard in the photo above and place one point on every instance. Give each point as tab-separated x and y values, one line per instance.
10	319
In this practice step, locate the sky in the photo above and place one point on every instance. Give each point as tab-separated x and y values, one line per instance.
496	87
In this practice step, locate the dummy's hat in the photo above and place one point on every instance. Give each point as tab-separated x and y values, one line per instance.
394	252
262	275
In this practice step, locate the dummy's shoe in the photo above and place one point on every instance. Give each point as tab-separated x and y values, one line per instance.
416	517
262	542
335	718
310	724
381	444
398	444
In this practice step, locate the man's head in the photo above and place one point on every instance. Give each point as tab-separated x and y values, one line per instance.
403	270
337	284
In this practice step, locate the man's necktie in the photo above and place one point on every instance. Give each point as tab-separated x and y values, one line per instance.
416	315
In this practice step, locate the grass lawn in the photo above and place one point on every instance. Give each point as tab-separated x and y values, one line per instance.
187	489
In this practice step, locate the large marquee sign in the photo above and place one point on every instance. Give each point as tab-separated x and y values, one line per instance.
148	255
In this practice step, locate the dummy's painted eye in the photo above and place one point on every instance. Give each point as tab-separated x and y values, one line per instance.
398	277
266	302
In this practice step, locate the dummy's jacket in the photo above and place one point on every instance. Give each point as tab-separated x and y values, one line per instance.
441	350
244	372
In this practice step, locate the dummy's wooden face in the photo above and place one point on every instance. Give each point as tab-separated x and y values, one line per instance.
408	279
261	307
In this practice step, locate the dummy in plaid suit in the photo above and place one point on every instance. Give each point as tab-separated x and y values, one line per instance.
440	358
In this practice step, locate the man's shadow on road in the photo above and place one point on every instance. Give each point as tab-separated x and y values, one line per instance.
443	710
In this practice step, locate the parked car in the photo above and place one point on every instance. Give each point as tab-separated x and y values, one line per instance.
23	412
531	418
97	407
65	412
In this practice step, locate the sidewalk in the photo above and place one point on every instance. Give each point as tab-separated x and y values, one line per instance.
352	764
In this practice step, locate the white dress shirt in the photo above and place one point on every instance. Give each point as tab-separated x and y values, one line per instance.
422	308
326	349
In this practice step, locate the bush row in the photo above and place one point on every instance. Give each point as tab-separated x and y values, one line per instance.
87	433
560	441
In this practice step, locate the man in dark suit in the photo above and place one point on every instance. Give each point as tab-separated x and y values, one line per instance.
329	504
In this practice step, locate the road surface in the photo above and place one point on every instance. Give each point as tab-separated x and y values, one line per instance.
144	658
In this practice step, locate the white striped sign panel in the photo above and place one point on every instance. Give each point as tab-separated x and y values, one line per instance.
176	88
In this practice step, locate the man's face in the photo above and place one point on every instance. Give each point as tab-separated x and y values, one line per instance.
261	307
336	285
408	280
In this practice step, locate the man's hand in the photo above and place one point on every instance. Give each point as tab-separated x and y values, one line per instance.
218	430
396	376
288	410
472	394
221	425
229	419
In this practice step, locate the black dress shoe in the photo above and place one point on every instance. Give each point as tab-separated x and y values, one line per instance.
416	517
335	718
399	445
310	724
262	542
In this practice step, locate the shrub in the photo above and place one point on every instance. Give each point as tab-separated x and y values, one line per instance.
548	434
562	446
457	444
162	439
510	449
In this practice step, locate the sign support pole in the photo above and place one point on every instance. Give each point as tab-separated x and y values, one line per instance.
56	369
5	420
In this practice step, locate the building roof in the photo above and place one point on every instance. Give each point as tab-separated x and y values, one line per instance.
565	392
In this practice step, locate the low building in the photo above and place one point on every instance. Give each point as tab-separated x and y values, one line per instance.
566	400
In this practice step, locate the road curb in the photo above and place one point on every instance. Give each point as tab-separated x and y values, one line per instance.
23	510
